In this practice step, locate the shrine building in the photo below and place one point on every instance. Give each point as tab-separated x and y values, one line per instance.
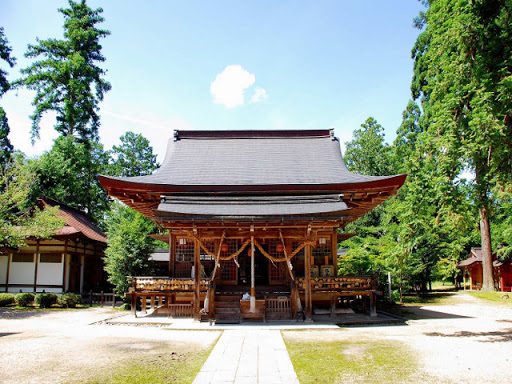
253	220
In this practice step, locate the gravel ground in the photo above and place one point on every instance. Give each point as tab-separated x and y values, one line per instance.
66	346
470	341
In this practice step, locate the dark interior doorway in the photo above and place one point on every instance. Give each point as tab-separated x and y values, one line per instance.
260	268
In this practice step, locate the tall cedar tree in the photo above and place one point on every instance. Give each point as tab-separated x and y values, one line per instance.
134	157
5	54
65	73
463	75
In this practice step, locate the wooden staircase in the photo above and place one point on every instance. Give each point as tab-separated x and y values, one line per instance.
227	308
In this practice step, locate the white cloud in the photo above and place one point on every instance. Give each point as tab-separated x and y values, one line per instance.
259	95
229	86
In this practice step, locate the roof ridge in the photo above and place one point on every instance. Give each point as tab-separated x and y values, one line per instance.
252	134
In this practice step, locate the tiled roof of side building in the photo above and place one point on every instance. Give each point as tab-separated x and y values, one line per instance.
253	158
76	220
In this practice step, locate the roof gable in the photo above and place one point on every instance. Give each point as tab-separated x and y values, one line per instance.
76	222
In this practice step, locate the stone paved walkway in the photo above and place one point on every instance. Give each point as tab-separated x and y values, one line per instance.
248	357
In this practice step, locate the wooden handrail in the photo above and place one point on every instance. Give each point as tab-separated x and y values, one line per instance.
338	284
165	284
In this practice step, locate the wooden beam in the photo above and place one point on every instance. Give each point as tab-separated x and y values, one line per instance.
307	291
36	266
172	254
64	265
334	251
9	257
197	279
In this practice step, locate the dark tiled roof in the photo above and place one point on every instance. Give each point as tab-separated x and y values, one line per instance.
76	222
252	206
250	158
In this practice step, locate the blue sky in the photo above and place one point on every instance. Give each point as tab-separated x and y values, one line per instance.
231	65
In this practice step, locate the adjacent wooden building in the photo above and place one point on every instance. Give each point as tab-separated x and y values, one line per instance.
472	272
254	221
70	261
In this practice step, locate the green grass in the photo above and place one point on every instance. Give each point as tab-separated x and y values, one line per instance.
350	360
162	365
494	297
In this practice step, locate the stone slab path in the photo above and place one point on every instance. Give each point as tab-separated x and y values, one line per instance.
248	357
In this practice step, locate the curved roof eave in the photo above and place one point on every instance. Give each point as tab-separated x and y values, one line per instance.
138	185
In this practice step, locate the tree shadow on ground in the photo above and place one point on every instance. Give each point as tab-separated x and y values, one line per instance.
18	314
413	312
2	334
494	336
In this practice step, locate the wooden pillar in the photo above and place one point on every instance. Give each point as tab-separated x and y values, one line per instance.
197	279
334	251
464	278
134	304
308	311
373	304
64	265
172	255
333	304
253	285
9	257
470	280
36	266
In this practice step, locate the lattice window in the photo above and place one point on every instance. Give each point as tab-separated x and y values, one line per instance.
23	258
51	258
322	250
210	245
300	254
184	249
276	269
229	267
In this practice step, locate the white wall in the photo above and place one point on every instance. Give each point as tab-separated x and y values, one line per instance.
49	274
3	268
21	273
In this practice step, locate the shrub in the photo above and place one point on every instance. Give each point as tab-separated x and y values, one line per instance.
24	299
70	300
6	299
46	300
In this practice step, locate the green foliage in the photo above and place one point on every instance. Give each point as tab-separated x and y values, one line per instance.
68	173
5	54
134	157
129	246
6	299
6	147
24	299
46	300
367	153
19	219
463	77
69	300
65	75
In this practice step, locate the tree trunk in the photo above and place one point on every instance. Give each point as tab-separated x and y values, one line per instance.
487	270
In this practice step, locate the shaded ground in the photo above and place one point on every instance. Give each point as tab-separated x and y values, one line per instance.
62	347
461	339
